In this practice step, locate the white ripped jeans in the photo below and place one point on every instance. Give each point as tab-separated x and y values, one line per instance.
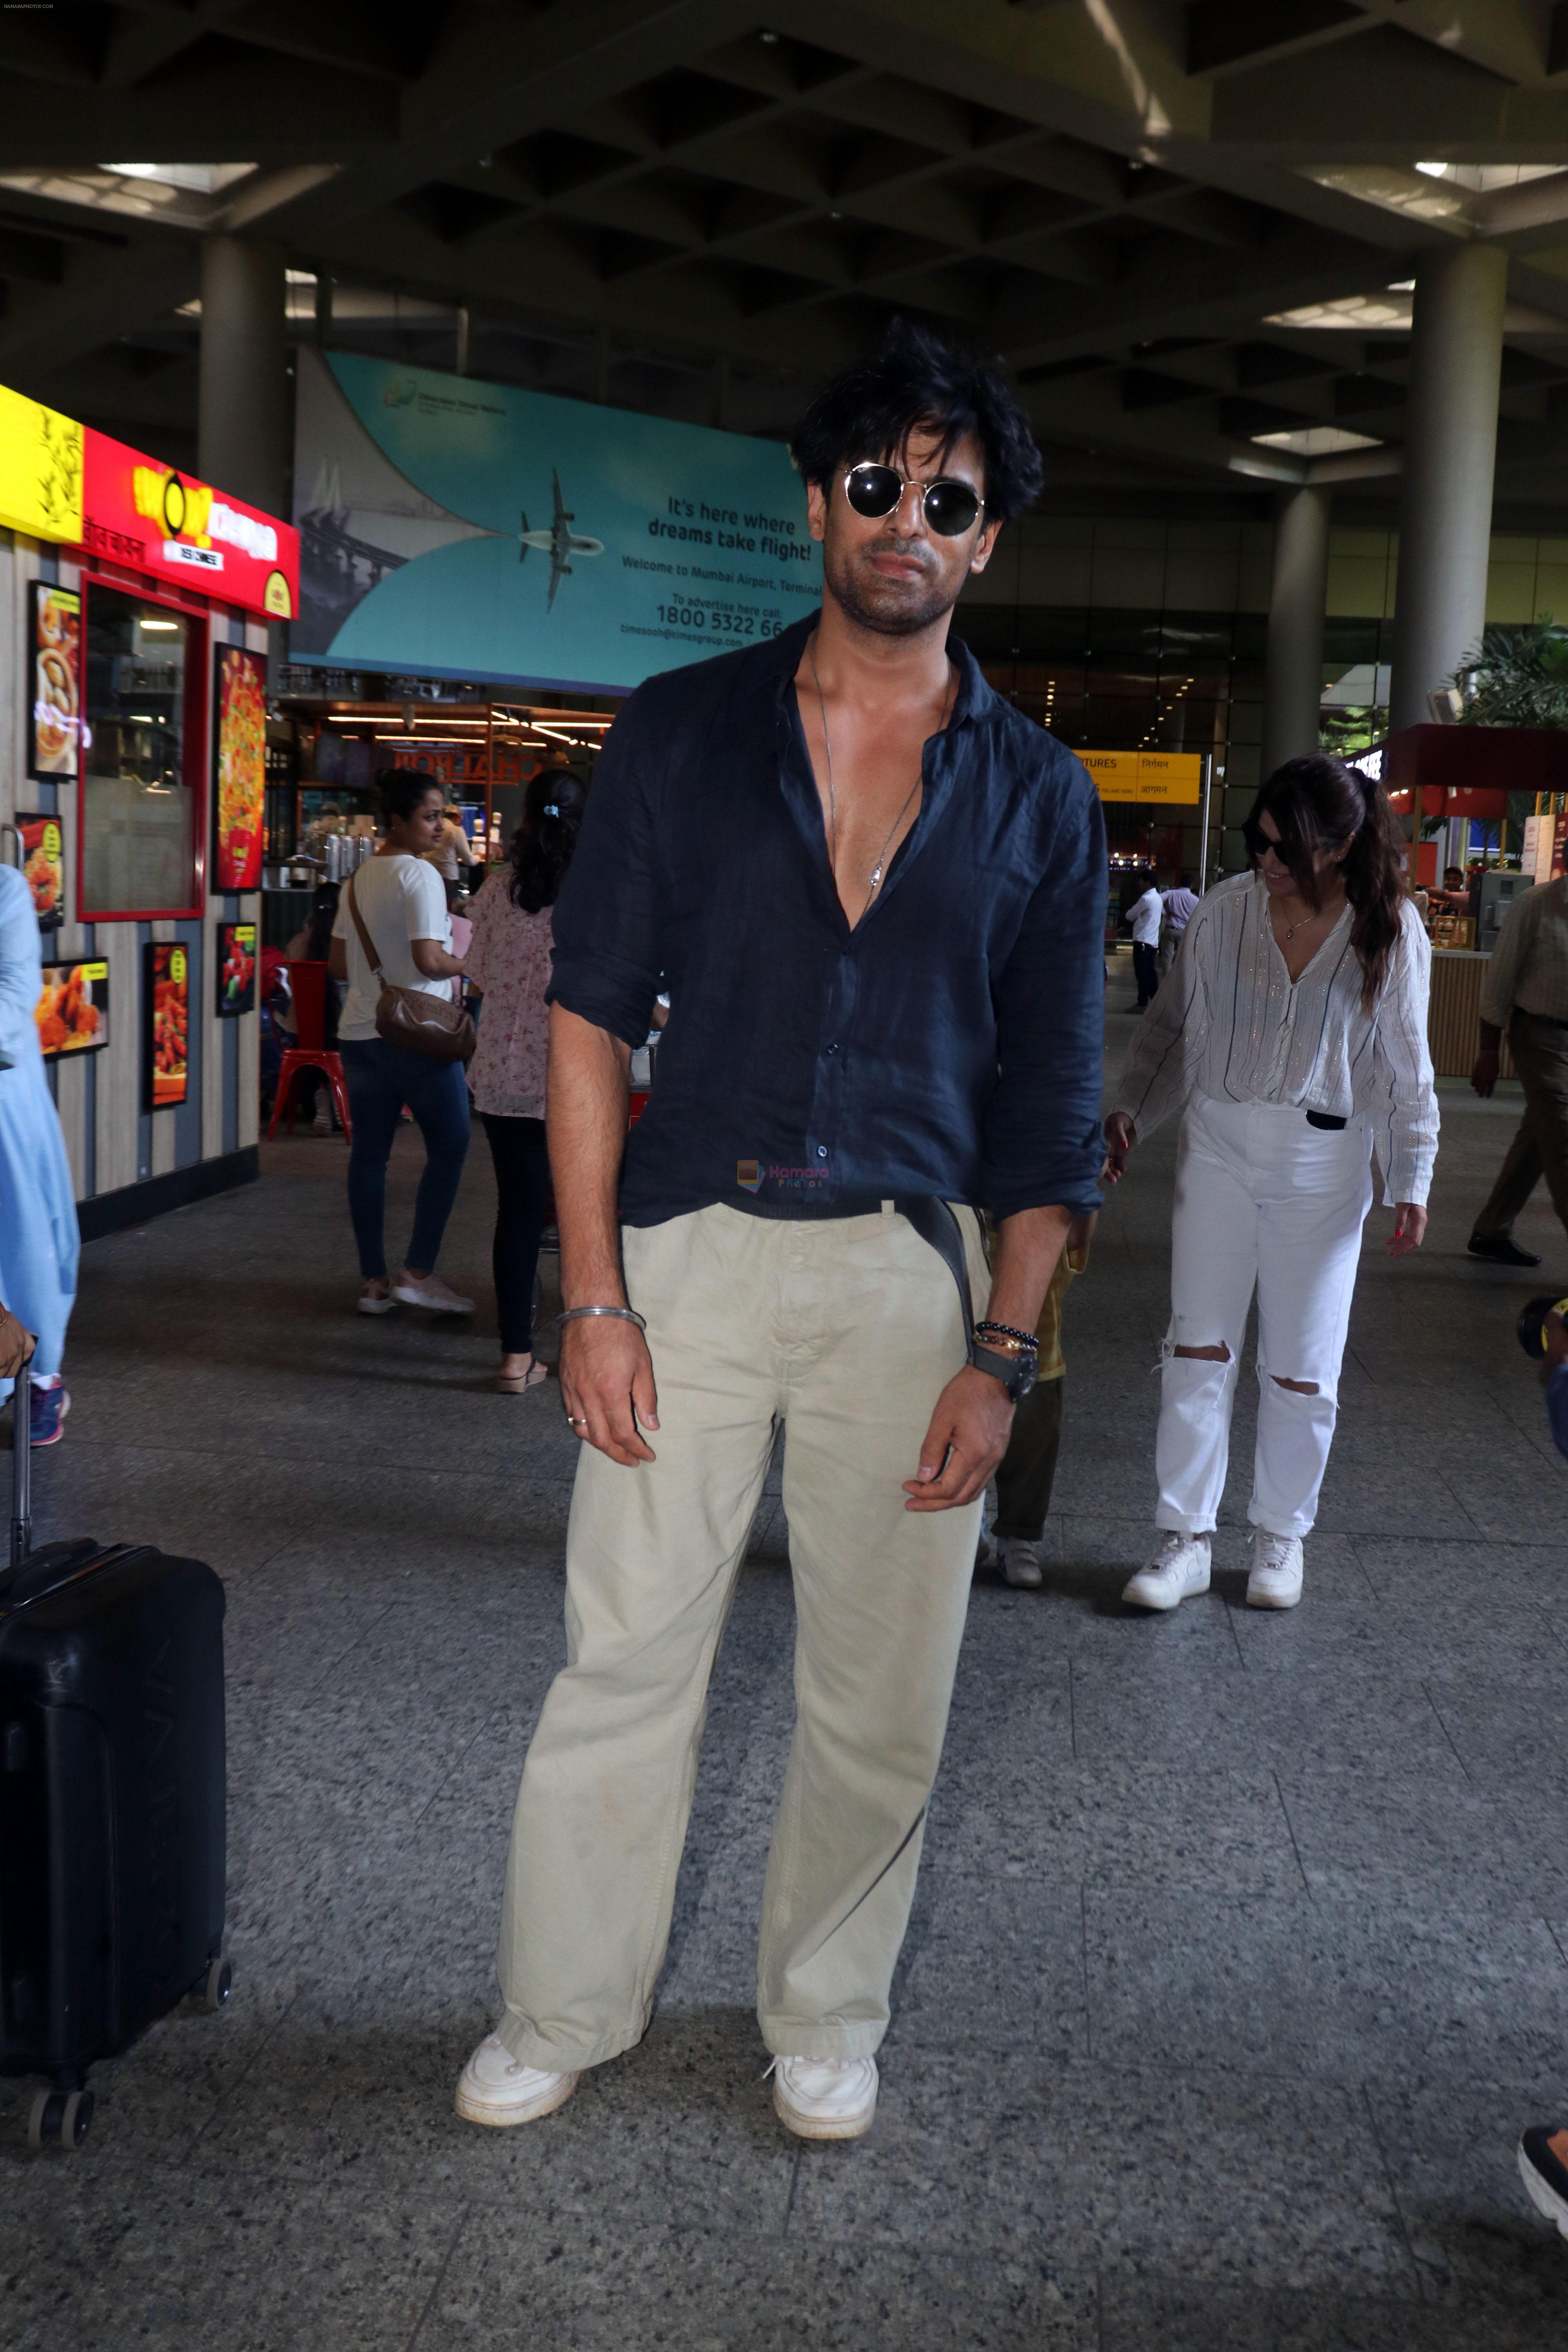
1263	1199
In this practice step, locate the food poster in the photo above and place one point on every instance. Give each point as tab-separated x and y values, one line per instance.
240	763
44	866
73	1009
55	720
235	969
166	1046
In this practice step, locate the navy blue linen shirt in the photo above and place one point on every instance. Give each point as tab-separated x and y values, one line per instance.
950	1044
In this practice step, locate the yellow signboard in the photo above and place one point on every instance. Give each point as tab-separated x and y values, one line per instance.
1170	776
40	470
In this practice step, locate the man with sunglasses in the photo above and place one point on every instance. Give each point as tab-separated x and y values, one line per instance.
875	894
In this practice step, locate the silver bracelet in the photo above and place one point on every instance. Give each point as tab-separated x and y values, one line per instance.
623	1314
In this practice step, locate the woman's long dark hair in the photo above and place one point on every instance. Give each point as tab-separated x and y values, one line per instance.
1321	803
553	806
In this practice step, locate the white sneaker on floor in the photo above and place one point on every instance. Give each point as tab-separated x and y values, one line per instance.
496	2088
376	1299
1020	1562
429	1290
826	2098
1179	1570
1276	1578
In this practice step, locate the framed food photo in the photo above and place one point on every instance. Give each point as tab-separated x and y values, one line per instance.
166	1028
53	649
235	969
239	767
73	1009
44	866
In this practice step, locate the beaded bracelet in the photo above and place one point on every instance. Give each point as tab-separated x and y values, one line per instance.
1010	1331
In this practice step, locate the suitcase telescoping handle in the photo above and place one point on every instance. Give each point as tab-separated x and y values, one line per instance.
21	1468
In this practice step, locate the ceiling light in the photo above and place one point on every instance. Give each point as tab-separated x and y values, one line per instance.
200	179
1352	313
1316	440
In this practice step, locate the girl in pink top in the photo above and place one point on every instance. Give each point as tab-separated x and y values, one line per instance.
509	963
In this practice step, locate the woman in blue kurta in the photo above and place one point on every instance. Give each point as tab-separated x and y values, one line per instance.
39	1237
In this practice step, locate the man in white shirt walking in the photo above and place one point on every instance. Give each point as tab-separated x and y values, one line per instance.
1145	915
1525	992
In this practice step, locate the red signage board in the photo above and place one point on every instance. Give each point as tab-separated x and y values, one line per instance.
139	512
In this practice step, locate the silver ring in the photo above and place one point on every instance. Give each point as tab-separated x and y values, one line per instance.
578	1421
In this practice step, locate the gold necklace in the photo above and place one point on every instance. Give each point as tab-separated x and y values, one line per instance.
876	879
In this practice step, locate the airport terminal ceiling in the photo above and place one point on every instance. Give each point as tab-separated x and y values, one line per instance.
1190	228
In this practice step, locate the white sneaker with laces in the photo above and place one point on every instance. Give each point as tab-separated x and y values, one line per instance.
375	1297
429	1290
1276	1578
496	2088
826	2098
1179	1570
1020	1562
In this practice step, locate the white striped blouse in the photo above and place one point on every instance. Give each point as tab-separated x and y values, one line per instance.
1230	1023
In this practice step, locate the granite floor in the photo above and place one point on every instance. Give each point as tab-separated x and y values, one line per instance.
1238	1961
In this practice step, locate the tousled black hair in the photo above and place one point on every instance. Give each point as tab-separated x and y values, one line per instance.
553	806
402	791
914	381
1321	803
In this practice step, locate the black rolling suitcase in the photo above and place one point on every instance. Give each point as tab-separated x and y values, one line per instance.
112	1792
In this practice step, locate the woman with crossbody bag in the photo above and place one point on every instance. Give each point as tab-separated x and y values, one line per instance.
402	1041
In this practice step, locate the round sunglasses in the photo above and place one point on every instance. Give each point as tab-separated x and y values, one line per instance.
1259	842
950	508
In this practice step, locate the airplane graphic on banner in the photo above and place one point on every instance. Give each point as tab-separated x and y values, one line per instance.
558	543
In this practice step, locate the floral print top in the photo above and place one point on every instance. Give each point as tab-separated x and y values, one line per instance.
509	962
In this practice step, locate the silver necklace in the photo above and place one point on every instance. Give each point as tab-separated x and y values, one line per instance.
876	882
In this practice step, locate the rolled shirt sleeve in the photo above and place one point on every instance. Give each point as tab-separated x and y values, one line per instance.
1040	1140
1157	1076
607	929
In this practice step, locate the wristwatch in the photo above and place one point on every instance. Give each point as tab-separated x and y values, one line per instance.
1016	1369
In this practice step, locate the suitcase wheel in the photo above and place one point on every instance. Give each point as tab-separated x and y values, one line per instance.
216	1986
59	2119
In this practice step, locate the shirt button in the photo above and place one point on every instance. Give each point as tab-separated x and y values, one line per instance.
822	1151
830	1049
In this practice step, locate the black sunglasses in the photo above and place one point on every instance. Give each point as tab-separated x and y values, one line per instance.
950	508
1258	841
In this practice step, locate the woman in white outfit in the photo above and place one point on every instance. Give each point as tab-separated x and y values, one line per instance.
1293	1029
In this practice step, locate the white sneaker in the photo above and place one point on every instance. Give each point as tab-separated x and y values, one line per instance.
1179	1570
1020	1562
496	2088
826	2098
429	1290
1276	1578
376	1297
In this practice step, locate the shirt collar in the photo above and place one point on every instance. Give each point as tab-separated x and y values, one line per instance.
778	660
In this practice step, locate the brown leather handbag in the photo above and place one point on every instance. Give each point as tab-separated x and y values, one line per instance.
413	1017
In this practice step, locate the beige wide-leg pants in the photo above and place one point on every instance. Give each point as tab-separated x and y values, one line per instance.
845	1331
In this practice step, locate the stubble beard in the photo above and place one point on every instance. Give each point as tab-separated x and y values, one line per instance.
889	608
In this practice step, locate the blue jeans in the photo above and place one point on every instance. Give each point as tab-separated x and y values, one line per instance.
381	1079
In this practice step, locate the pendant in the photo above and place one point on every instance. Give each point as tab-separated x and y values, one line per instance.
876	879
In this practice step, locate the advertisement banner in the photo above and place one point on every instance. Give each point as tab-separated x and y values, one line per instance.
44	866
239	767
72	1012
54	651
473	530
235	969
40	469
138	512
165	1049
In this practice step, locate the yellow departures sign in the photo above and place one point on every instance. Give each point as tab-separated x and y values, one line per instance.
1173	776
40	469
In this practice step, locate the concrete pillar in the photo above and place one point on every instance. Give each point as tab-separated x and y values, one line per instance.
1298	598
1450	447
243	411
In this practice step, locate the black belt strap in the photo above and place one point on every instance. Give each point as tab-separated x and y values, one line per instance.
935	1222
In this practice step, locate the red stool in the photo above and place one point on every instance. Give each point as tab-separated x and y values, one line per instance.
308	988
